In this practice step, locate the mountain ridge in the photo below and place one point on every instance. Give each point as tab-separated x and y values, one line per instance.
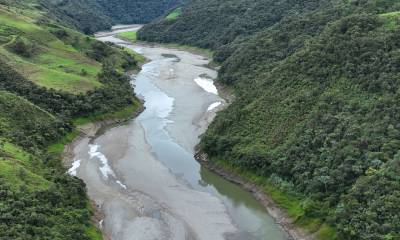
315	113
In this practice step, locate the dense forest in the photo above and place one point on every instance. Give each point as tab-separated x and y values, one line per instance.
317	102
91	16
94	15
50	75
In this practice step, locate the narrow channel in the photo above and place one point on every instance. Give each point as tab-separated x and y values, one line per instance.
142	174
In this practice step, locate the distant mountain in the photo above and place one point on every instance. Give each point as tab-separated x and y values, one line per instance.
136	11
95	15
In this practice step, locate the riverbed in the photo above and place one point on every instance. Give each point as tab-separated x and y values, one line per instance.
142	175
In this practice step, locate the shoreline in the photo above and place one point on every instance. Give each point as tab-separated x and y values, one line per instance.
277	213
91	130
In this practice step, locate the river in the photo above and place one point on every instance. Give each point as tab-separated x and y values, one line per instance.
142	174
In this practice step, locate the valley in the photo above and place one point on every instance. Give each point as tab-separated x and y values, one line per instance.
295	102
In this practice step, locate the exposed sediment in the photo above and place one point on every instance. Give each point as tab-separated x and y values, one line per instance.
273	209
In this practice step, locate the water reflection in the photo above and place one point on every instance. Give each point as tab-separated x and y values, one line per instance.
247	213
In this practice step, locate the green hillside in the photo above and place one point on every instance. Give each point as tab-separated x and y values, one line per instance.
43	58
316	109
212	24
138	11
94	15
91	16
50	77
37	195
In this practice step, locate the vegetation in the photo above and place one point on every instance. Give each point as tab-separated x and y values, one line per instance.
315	115
43	58
124	113
129	36
38	200
212	24
392	19
52	77
91	16
174	14
138	11
94	15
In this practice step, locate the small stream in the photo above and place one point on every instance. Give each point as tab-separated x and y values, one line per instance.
143	176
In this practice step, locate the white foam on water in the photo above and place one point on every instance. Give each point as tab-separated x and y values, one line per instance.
213	106
121	184
207	85
74	168
101	223
105	169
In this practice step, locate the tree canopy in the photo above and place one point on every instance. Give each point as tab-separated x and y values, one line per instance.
317	92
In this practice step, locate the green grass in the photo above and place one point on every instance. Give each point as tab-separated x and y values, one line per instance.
93	232
55	64
124	113
20	168
174	14
392	20
137	56
18	175
129	36
16	152
292	205
59	146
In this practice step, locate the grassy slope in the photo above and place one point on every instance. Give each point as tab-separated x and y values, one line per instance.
22	169
392	19
54	63
174	14
18	167
129	36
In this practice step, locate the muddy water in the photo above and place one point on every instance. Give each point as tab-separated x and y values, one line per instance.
142	175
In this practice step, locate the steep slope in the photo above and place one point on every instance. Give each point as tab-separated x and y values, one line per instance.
95	15
50	75
37	197
211	24
85	15
43	58
139	11
91	16
59	68
316	113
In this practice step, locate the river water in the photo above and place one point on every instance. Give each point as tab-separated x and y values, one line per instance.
142	174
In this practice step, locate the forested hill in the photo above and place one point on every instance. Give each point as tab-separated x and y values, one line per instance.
50	77
137	11
316	117
94	15
90	16
211	24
